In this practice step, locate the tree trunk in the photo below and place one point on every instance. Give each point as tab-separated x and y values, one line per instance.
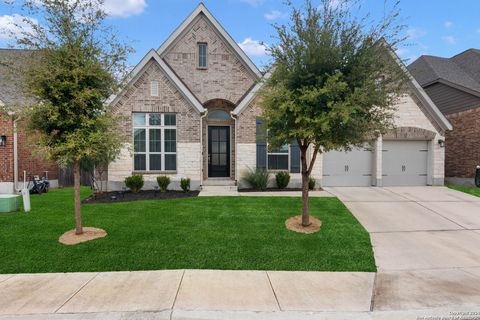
76	184
305	178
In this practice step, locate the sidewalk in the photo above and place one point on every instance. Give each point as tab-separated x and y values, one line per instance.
201	294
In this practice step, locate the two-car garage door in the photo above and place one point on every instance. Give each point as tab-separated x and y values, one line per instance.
404	163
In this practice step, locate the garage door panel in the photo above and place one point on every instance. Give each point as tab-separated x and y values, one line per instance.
405	163
352	168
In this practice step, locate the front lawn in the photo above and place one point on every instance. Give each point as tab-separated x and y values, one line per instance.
470	190
192	233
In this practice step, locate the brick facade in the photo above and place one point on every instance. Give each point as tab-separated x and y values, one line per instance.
28	159
462	144
226	76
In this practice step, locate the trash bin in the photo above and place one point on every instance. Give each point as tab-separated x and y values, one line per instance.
477	177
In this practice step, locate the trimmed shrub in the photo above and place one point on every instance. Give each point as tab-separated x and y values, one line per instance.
163	182
282	178
134	182
257	179
185	184
311	183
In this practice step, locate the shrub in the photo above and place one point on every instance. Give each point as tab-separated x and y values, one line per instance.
163	182
134	182
185	184
311	183
282	178
257	179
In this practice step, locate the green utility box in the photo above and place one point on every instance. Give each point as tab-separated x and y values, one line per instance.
9	202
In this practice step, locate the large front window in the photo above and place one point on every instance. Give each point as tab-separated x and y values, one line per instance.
278	158
155	141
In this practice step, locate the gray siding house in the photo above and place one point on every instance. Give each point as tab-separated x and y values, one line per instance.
453	84
191	110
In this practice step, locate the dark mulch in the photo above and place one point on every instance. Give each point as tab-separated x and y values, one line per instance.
118	196
275	189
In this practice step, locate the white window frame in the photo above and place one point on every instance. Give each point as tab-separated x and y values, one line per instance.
199	44
279	154
147	152
154	88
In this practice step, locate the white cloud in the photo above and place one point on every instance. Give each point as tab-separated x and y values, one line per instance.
415	33
448	24
274	15
11	26
449	39
253	3
124	8
253	47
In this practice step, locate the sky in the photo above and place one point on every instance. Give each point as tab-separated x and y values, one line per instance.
434	27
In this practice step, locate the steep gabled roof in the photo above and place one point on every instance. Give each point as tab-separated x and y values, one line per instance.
248	98
202	10
135	73
461	71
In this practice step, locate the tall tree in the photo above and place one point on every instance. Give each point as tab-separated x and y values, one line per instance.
333	83
75	63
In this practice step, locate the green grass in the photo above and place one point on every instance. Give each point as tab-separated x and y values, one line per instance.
195	233
470	190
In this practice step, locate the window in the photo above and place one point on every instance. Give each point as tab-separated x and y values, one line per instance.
154	88
219	115
154	142
277	159
202	55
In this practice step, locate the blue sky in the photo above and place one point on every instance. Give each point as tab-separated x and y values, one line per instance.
435	27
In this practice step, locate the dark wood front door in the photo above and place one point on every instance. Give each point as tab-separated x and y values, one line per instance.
218	151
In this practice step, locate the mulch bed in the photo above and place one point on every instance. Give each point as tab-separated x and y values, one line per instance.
117	196
70	238
295	224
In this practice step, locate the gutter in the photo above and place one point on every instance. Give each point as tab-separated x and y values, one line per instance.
201	145
15	152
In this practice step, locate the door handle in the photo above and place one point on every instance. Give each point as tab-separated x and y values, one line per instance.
346	168
404	168
209	159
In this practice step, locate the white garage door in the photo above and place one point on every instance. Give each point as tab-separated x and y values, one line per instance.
405	163
348	169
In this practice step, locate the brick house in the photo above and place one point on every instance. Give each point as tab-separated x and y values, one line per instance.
454	86
16	153
191	110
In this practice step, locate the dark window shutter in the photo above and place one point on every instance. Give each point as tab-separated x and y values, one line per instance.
261	139
294	157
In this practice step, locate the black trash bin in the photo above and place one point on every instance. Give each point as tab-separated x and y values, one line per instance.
477	177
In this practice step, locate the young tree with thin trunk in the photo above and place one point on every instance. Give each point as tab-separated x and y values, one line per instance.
73	69
333	83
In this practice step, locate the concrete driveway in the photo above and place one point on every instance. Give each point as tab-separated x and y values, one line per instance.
426	242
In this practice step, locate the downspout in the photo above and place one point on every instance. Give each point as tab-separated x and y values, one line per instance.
201	145
15	153
233	116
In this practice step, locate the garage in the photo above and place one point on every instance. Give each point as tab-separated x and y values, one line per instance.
348	169
405	163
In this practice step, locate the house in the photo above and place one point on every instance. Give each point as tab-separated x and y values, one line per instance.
191	110
16	154
454	86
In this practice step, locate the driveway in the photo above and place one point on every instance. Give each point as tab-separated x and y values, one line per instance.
426	242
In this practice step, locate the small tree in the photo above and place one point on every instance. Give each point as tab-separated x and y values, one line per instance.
73	69
333	82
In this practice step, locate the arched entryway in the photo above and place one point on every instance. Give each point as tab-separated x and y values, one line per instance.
219	140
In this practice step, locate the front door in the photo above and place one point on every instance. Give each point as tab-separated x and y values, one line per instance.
218	151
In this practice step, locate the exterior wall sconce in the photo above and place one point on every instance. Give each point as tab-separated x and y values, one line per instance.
441	142
3	141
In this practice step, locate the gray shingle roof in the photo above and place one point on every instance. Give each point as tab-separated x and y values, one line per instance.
11	92
462	70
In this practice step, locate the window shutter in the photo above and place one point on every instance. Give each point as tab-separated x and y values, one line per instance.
294	157
261	138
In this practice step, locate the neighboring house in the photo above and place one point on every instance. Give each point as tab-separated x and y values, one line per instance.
191	110
454	86
16	154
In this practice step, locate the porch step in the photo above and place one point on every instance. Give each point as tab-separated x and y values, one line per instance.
219	182
219	189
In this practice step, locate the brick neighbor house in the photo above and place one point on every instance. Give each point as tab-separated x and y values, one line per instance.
191	110
454	86
16	154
